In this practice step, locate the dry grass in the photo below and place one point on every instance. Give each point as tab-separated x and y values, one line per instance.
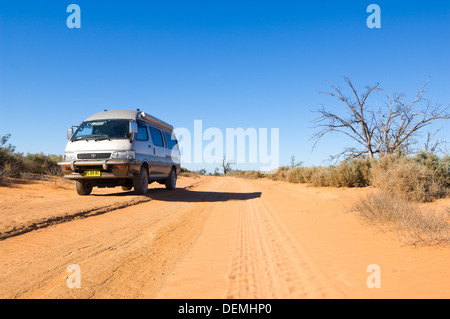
415	225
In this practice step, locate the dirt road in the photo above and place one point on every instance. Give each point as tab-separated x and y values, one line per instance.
213	237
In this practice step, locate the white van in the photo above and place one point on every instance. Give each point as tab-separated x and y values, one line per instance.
121	148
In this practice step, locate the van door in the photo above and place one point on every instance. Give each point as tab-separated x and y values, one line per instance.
172	151
142	145
159	153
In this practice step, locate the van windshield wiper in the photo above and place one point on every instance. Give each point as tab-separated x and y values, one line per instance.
102	138
92	137
79	138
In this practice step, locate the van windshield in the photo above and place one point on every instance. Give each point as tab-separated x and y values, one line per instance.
102	129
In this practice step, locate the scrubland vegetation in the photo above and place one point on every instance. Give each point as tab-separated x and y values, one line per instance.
420	178
25	166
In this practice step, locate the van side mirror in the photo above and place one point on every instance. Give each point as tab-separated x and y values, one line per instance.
69	133
133	129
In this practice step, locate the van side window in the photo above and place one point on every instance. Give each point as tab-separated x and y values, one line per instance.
142	134
156	136
172	142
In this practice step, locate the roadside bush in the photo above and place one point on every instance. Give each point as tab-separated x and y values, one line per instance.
294	175
442	172
280	174
414	224
423	177
246	174
406	177
11	165
15	165
321	176
352	173
440	166
307	173
42	164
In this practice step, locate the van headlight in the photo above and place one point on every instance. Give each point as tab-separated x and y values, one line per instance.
69	156
123	155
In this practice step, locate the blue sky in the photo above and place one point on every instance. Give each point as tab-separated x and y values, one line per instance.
228	63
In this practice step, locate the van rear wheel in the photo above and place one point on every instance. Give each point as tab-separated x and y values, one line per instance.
140	182
83	189
171	182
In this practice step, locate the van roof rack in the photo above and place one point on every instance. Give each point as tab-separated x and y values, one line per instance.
129	114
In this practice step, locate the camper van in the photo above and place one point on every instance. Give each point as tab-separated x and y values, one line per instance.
123	148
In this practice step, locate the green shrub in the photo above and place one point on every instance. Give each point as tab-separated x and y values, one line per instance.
42	164
11	165
16	164
442	172
440	166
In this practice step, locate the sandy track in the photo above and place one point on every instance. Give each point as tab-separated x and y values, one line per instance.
33	205
213	238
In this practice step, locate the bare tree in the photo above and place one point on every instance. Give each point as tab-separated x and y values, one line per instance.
393	129
358	124
226	165
433	144
294	163
399	126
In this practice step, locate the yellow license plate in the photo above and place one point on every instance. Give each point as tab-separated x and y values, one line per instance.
92	174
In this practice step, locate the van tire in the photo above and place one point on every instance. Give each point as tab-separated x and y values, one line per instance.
171	182
140	182
83	189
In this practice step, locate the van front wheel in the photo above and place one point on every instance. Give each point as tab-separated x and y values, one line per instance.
83	189
140	182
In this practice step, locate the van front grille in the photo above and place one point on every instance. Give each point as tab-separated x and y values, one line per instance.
89	168
93	156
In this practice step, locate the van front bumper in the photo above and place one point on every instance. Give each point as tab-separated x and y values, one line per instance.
108	169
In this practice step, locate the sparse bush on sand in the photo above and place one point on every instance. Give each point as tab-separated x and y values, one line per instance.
415	225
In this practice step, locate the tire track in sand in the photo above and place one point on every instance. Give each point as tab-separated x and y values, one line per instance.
245	251
268	262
